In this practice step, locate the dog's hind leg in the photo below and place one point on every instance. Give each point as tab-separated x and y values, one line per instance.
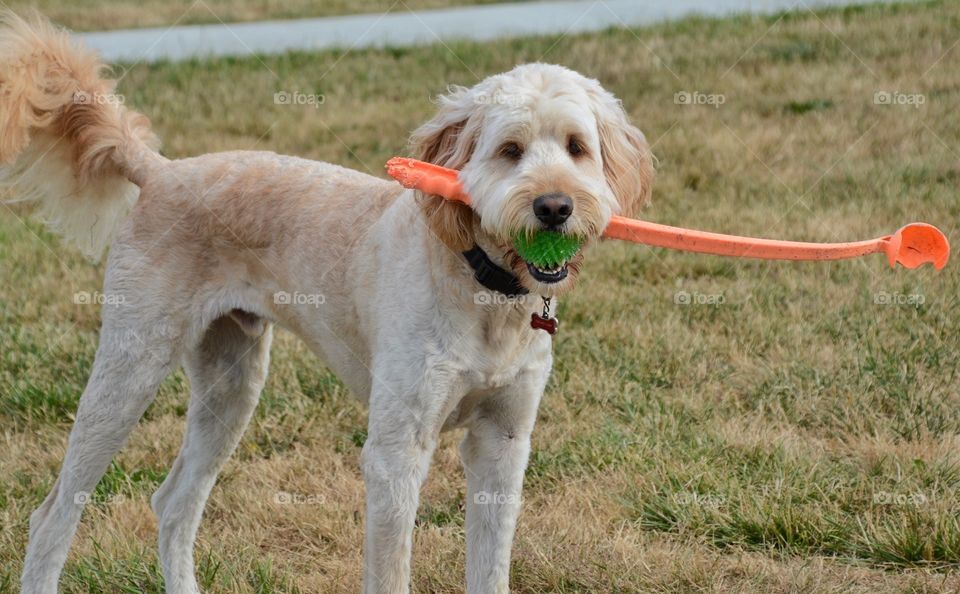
226	372
131	362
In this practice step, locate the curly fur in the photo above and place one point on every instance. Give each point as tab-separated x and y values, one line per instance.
67	147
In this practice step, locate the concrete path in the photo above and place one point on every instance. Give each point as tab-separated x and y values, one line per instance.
401	27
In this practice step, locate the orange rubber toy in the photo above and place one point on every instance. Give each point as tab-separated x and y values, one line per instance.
911	246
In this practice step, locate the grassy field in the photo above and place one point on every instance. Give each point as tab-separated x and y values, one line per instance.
99	15
712	425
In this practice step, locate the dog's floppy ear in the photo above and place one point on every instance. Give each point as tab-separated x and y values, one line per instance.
627	159
448	140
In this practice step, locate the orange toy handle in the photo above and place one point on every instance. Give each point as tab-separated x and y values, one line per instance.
911	246
427	177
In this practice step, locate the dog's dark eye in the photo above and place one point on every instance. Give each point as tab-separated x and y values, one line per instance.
574	147
512	150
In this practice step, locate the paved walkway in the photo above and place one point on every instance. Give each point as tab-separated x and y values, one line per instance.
402	27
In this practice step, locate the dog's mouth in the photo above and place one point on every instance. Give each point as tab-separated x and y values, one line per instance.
547	279
551	275
546	254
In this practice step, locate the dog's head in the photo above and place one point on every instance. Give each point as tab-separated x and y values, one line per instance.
539	148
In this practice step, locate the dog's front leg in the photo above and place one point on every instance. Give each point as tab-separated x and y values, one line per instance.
403	430
494	453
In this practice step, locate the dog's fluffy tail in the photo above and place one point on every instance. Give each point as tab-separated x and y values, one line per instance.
68	146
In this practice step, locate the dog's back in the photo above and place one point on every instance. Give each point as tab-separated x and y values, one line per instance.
80	158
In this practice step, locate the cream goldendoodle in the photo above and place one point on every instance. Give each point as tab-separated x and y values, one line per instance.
420	305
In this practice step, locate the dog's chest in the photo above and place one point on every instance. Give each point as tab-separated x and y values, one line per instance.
502	347
495	363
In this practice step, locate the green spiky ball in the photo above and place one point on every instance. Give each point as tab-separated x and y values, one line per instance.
546	249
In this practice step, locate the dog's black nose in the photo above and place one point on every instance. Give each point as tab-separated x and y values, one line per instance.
553	209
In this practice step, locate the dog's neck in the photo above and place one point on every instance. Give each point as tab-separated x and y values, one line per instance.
491	275
495	296
480	273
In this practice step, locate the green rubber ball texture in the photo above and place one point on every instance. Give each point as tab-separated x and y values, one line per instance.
546	249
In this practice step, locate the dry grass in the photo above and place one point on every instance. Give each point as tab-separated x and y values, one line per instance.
100	15
797	437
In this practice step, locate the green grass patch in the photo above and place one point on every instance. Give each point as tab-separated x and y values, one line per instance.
746	425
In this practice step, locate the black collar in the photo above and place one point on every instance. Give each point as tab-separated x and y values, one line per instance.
492	276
